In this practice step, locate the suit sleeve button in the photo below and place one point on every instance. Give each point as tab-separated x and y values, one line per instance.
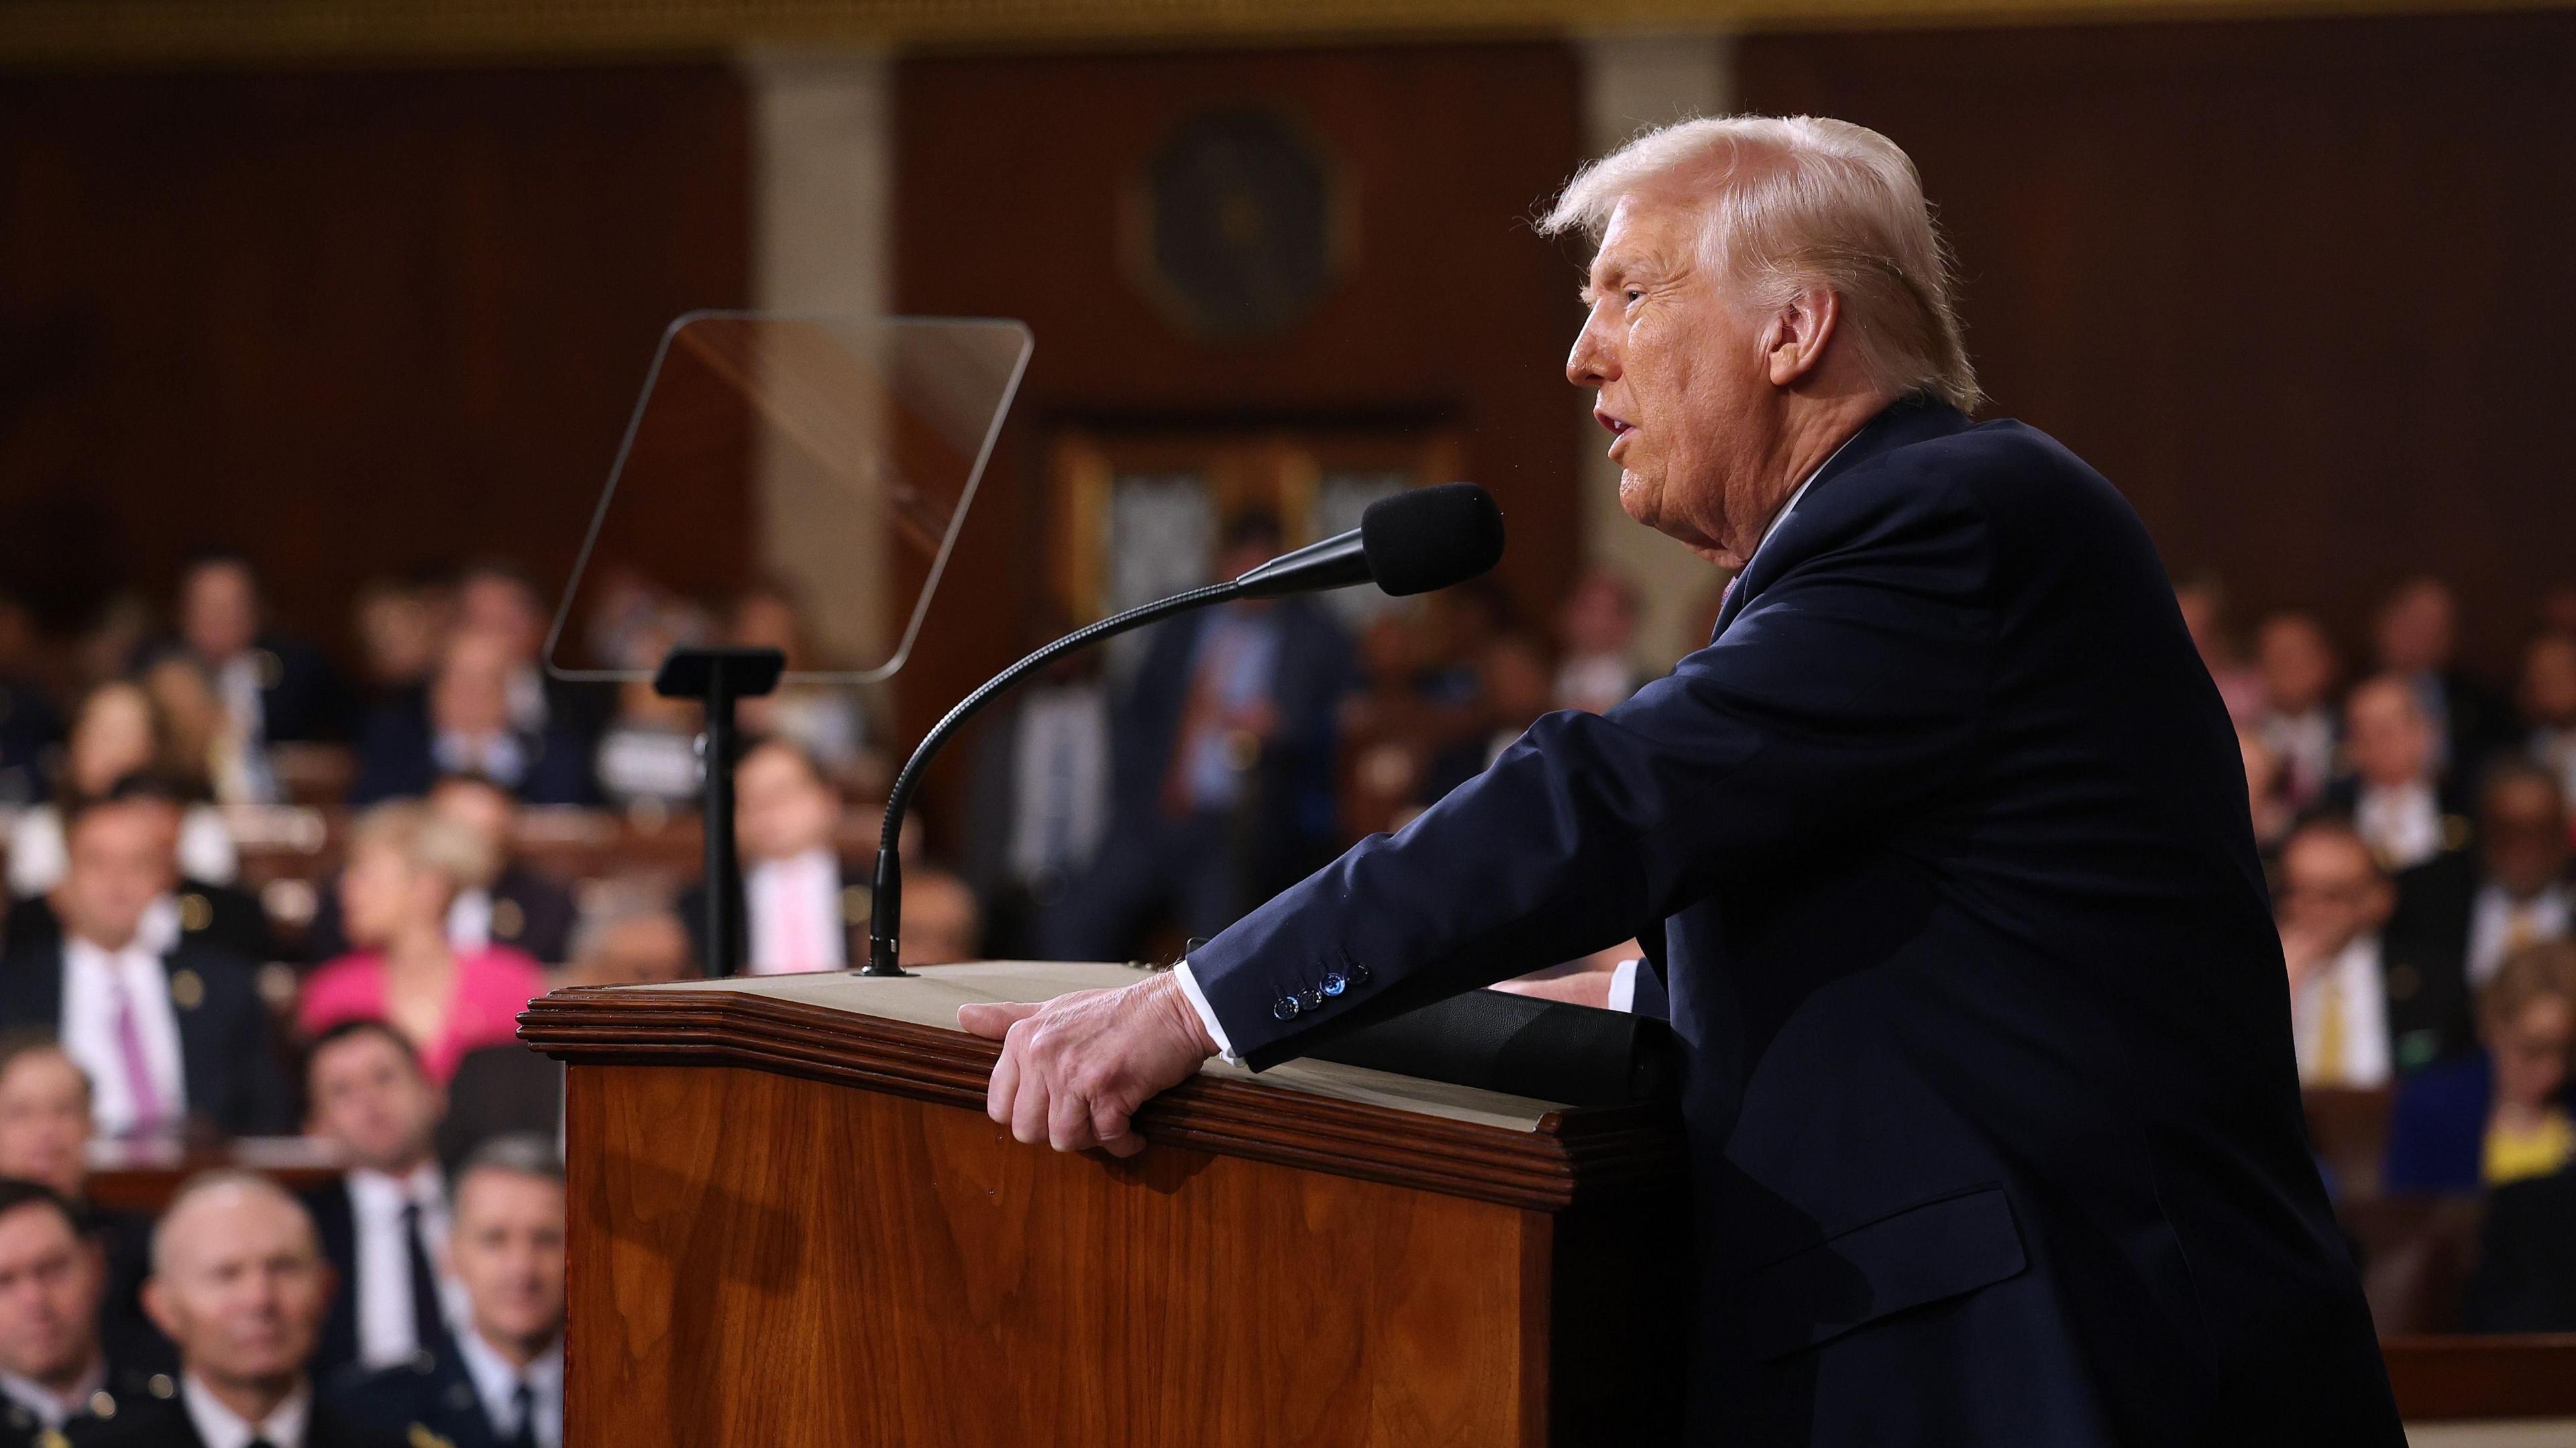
1284	1008
1312	1000
1334	985
1359	973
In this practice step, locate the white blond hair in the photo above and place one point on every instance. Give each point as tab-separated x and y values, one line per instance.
1798	202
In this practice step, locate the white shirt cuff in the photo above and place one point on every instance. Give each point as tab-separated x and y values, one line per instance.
1207	1014
1623	985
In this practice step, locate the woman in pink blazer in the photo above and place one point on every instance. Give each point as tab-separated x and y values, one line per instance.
406	867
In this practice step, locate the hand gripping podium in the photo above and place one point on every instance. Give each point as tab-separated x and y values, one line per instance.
792	1225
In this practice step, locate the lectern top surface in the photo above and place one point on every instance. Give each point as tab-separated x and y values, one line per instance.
931	998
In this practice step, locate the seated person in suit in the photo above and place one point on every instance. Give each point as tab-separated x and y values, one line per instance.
2356	1018
2526	1274
2417	636
276	690
2470	909
465	724
2394	795
827	719
494	598
502	1386
2499	1115
223	916
167	1028
406	868
383	1222
117	733
524	907
54	1367
239	1283
44	1136
801	902
2299	667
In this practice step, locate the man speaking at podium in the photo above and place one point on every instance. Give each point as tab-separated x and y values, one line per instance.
1940	852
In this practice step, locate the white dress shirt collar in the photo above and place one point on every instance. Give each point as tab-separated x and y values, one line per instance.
387	1320
2497	918
2359	988
497	1384
50	1411
2402	822
221	1427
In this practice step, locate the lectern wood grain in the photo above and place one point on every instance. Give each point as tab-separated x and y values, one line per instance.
796	1227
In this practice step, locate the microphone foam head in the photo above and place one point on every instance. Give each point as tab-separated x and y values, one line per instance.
1429	538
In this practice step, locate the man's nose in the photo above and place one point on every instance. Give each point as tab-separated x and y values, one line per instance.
1590	363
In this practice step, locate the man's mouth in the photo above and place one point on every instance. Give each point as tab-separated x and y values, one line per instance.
1618	426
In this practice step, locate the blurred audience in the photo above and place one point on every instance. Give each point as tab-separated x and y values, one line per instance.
2526	1259
44	1138
30	728
2469	909
471	722
219	915
1514	689
802	907
826	719
1597	629
1221	779
2549	706
2204	615
502	1383
382	1224
2267	797
407	867
54	1367
118	732
169	1028
522	906
2417	634
238	1282
2499	1114
648	754
2299	670
2357	1018
398	626
1038	796
274	689
2396	796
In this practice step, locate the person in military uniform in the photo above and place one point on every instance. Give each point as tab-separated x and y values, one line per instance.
54	1370
502	1385
238	1282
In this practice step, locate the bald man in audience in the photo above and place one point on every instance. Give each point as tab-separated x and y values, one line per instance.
238	1281
54	1368
503	1385
2395	795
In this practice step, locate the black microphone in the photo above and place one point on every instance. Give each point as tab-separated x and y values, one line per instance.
1413	542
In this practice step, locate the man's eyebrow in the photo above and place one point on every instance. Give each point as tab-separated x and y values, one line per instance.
1605	277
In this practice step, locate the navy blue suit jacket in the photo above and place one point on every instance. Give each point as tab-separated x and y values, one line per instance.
232	1073
397	759
1941	852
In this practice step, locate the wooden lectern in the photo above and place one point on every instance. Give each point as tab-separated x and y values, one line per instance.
793	1226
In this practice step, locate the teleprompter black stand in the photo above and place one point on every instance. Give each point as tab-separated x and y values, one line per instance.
718	677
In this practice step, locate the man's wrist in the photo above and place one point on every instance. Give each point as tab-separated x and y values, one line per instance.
1175	1002
1195	1000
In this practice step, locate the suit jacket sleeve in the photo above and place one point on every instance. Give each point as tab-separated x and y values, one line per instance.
1848	688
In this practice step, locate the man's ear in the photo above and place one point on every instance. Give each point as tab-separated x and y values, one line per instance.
1795	338
156	1305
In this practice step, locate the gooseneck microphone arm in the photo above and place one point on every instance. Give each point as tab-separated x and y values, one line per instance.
1412	542
885	913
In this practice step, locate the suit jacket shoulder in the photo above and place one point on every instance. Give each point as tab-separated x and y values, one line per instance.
426	1401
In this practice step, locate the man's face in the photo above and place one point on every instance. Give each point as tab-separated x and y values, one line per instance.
2549	681
2385	733
471	694
504	609
45	1121
50	1283
2522	833
240	1286
2331	889
120	861
780	808
2297	664
2415	629
219	610
507	1249
370	1099
1684	388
